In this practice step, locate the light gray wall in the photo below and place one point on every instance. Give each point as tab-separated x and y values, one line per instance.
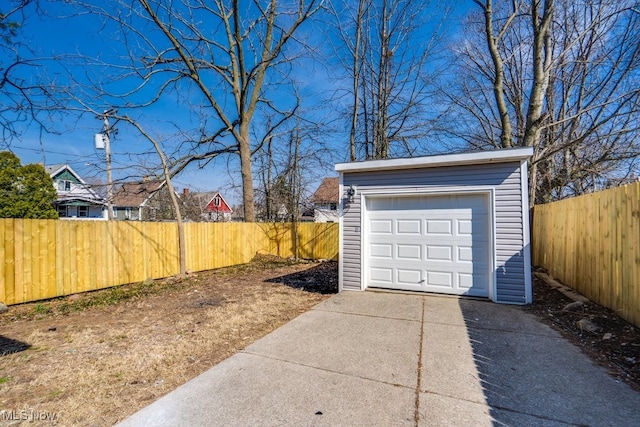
503	177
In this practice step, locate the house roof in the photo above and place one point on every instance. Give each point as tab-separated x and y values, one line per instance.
205	198
54	170
132	194
468	158
328	191
79	191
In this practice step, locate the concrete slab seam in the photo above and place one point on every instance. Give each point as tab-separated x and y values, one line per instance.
416	415
323	369
365	315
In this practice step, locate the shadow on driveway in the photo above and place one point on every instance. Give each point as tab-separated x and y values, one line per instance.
530	375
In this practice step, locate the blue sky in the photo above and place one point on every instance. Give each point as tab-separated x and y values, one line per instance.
50	35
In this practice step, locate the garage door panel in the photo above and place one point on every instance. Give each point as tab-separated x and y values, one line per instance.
441	279
409	226
381	250
439	228
409	252
439	253
381	276
465	253
381	226
409	276
465	280
430	243
465	227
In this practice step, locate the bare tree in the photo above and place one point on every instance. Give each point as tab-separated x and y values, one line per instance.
389	51
166	177
288	164
555	75
25	95
221	58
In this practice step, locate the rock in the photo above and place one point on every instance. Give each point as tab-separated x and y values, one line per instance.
566	291
573	306
587	325
607	336
52	329
75	297
3	308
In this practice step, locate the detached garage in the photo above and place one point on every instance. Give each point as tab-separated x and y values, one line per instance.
453	224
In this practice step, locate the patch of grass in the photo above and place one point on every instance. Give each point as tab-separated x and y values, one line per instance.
55	393
41	308
5	379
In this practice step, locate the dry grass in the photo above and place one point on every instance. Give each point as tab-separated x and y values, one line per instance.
103	363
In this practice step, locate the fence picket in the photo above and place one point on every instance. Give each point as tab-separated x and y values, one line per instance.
43	259
592	244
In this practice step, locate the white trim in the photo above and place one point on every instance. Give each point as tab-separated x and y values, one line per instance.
493	293
340	234
526	232
478	157
364	232
487	191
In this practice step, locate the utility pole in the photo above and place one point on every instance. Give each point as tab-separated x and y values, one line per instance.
106	139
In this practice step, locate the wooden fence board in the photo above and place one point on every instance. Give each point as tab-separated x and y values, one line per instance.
592	244
42	259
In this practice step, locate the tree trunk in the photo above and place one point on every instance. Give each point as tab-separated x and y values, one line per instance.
181	236
541	62
357	63
498	78
246	173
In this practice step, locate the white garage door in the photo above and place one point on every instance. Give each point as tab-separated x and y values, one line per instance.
429	243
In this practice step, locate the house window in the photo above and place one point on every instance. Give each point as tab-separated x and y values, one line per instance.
83	211
62	211
127	213
64	185
333	206
216	202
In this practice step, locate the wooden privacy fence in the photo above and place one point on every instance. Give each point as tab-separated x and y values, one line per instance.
42	259
592	244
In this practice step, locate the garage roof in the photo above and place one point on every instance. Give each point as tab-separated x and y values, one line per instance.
475	157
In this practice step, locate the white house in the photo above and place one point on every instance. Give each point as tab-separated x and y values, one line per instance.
325	201
76	198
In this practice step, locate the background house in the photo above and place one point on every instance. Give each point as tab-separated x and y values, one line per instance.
206	206
76	198
325	201
143	201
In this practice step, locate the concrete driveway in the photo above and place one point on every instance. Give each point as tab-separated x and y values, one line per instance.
393	359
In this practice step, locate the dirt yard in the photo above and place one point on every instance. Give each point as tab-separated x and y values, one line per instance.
94	360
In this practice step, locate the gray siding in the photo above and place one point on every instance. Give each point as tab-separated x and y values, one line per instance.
503	177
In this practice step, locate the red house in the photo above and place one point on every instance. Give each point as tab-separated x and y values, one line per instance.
217	209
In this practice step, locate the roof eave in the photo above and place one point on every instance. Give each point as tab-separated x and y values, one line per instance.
476	157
